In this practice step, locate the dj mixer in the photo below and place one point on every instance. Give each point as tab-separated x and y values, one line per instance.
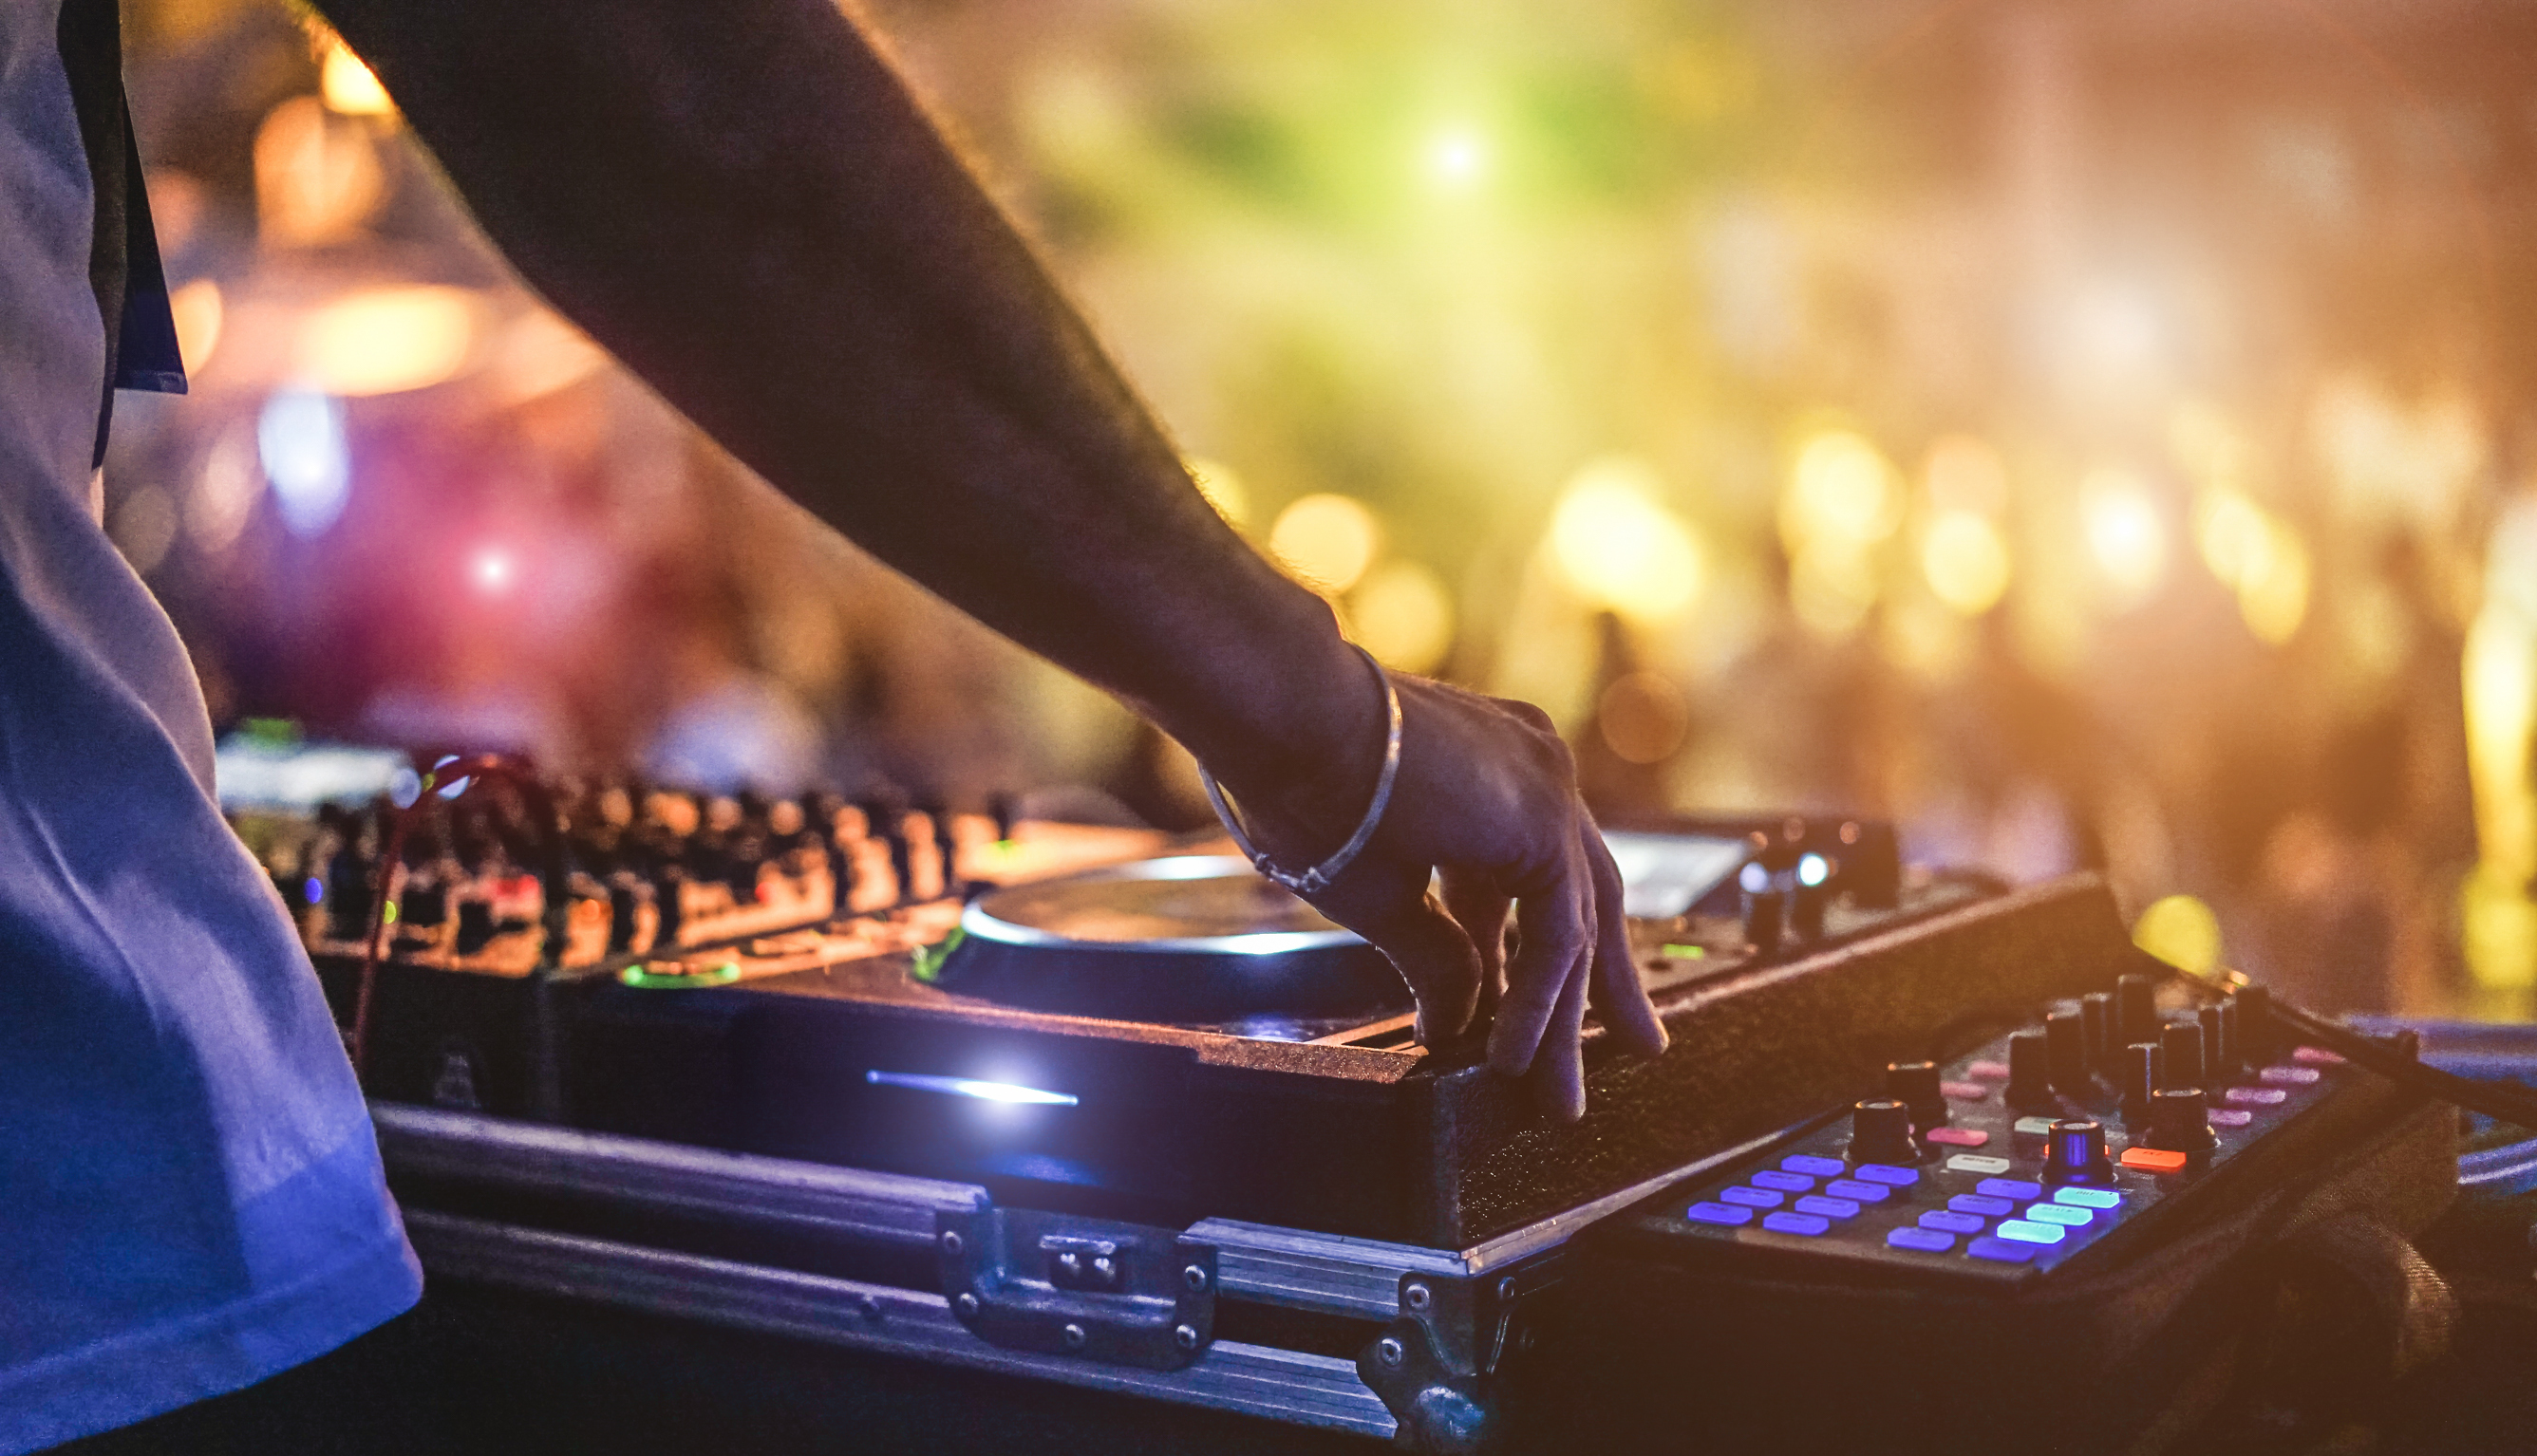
1109	1111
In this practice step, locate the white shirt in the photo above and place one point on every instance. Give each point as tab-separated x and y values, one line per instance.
190	1196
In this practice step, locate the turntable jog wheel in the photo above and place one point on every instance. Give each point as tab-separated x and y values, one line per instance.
1190	938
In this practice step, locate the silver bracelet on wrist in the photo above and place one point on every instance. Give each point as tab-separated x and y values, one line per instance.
1314	880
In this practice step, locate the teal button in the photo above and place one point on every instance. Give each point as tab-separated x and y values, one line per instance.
2059	1212
2088	1197
2026	1233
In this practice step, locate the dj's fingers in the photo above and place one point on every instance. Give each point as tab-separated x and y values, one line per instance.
1551	918
1558	1075
1620	998
1443	969
1479	906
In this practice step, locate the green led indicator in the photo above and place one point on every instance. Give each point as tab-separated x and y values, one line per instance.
646	978
1686	952
927	964
390	914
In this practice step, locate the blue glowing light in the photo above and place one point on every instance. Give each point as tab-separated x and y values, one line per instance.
300	439
317	889
1813	870
1753	877
993	1091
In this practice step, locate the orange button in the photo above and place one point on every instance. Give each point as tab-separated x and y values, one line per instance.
2151	1160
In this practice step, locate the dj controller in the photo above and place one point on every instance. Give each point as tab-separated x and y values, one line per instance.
1104	1109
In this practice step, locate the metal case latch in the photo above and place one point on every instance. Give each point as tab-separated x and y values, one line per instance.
1121	1294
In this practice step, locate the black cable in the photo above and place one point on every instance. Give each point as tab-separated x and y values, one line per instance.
2504	1102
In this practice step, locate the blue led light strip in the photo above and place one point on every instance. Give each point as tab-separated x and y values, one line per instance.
993	1091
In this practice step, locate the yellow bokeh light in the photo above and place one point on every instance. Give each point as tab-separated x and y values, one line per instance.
1831	587
1966	559
196	308
1404	615
2182	932
1222	489
2127	535
348	85
1643	718
382	340
1458	158
1325	540
1617	547
317	177
2273	598
1965	473
1842	487
2233	533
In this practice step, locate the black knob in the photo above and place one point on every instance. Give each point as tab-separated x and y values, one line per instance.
2065	1045
2256	1032
2097	1018
2030	1084
2075	1153
2229	1053
2180	1055
1915	1084
1766	910
2215	1050
670	901
1880	1131
2136	1009
2141	1080
2180	1124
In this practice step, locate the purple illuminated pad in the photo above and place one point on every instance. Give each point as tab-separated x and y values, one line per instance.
1830	1208
1719	1212
2255	1096
2230	1116
2288	1076
1887	1172
1920	1240
1976	1203
1804	1225
1785	1182
2002	1250
1751	1197
2009	1188
1857	1191
1814	1167
1947	1222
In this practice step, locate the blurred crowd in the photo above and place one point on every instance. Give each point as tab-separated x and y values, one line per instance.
2087	436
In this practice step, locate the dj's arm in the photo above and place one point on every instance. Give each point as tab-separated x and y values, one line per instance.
745	204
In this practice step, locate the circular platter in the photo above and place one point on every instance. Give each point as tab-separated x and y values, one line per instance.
1191	938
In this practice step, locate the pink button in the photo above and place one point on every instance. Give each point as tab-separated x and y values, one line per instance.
1959	1137
2316	1057
2288	1076
2229	1117
2255	1096
1963	1091
1988	1071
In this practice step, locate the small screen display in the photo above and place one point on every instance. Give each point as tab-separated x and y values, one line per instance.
1663	875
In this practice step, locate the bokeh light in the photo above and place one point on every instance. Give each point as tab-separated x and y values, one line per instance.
1965	473
1966	561
384	340
1618	546
1643	717
317	175
1458	158
1842	491
1402	613
1325	540
196	309
2126	533
300	438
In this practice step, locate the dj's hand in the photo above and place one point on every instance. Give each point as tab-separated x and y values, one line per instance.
1487	795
